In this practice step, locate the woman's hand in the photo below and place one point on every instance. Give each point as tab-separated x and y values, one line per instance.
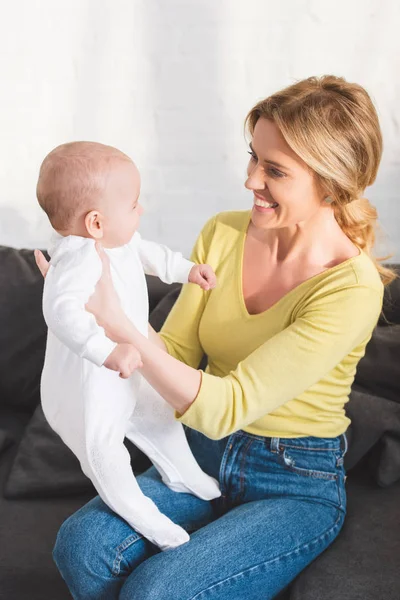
42	263
104	304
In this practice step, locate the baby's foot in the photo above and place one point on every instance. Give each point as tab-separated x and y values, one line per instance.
202	485
163	532
171	538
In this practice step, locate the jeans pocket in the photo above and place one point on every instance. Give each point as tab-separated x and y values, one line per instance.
312	463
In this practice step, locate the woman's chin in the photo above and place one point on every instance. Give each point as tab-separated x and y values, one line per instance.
263	220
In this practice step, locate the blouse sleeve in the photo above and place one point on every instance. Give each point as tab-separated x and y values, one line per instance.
181	329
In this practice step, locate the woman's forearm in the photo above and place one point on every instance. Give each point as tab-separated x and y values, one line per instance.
156	339
176	382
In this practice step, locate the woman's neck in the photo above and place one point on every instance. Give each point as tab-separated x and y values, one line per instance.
316	241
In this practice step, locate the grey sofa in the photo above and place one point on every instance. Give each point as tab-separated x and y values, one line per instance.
41	483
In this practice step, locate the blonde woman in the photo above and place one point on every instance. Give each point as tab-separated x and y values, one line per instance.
298	296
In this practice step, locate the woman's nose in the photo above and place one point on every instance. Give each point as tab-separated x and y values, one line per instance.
255	178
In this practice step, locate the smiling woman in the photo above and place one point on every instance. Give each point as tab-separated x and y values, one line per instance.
324	136
298	296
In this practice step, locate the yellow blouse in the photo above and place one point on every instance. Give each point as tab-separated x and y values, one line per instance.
286	372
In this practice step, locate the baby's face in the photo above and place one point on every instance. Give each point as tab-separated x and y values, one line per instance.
121	208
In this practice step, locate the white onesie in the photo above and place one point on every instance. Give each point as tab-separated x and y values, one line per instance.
90	407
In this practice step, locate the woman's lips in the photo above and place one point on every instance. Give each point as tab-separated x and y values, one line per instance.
263	209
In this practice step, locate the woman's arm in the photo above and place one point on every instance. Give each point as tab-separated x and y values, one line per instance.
156	339
176	382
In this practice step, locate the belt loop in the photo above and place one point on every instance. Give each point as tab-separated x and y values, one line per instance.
275	445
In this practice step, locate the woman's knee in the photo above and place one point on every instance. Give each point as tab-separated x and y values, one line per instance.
90	552
74	542
97	540
87	535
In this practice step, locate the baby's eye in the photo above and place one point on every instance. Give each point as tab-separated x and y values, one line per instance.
252	154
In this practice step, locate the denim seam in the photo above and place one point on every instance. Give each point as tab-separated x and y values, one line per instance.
242	467
222	474
305	547
309	448
340	491
129	541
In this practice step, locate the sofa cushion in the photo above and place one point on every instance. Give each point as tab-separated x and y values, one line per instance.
45	467
160	312
379	370
22	329
391	301
374	431
5	440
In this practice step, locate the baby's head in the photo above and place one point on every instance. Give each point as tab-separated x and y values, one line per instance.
91	190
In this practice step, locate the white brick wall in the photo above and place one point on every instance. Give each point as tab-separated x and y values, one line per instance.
170	82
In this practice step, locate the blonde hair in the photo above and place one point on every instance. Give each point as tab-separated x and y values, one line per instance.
71	180
333	126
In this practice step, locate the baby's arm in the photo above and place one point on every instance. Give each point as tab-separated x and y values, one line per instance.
170	266
67	288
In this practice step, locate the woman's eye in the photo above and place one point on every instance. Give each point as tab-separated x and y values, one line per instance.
275	172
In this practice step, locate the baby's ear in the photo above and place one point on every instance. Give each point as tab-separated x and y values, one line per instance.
94	223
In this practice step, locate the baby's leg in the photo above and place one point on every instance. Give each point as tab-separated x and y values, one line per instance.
153	428
96	437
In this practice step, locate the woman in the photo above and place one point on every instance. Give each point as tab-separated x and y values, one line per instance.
297	299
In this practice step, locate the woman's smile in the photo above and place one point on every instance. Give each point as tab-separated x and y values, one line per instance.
262	205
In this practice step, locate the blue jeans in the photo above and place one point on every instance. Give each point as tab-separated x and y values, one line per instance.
283	502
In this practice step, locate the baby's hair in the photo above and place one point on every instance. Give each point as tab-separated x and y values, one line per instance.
71	180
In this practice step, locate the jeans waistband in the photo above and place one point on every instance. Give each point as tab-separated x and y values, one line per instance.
310	442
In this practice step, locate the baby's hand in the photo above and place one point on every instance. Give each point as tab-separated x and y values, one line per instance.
204	276
124	359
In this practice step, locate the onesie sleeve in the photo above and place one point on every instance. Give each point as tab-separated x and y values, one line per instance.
159	260
321	336
180	332
68	286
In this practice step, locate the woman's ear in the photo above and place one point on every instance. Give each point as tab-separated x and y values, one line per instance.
94	223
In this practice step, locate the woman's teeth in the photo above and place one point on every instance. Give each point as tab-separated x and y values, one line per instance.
266	204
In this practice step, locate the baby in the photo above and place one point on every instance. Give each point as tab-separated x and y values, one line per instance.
92	395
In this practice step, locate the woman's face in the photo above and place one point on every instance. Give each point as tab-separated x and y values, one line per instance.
284	188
